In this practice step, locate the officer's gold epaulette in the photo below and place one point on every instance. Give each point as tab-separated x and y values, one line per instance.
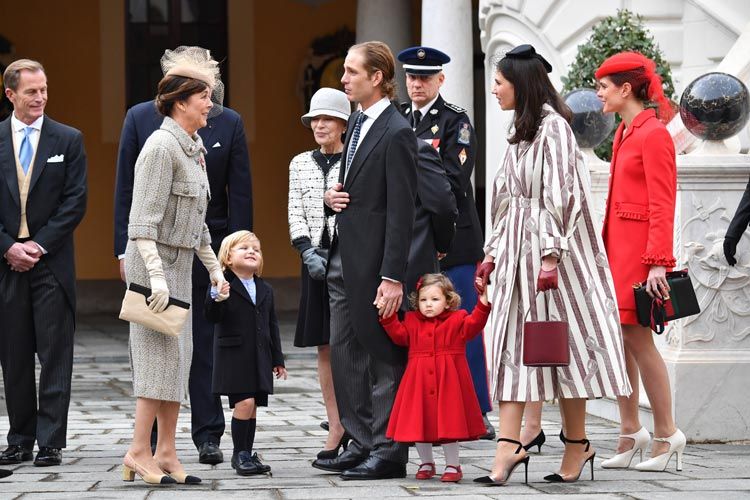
457	109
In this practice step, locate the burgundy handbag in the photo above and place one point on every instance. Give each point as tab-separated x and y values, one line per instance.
545	343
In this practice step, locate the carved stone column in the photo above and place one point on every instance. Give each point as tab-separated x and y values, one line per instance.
708	355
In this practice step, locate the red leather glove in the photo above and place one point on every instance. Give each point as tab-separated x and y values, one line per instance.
547	280
484	269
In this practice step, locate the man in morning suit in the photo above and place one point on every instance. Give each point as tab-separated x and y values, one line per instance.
42	201
230	209
447	128
374	201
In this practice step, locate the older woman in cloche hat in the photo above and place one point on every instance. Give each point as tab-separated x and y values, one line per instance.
310	174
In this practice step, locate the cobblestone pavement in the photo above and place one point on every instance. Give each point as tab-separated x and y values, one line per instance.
289	436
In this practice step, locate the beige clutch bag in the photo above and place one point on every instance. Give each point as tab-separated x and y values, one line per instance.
135	309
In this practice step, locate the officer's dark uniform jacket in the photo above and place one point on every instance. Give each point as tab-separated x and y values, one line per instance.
448	129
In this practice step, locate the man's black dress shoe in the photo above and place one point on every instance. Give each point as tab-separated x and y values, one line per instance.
376	468
346	460
14	454
489	434
210	453
48	456
5	473
244	464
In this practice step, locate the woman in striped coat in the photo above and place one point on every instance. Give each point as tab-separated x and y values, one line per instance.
543	237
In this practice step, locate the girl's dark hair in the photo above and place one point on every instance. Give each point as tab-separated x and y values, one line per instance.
173	89
452	297
532	89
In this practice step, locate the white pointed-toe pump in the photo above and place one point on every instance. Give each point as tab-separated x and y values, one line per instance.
624	459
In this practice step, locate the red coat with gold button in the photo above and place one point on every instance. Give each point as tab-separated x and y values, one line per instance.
639	218
436	401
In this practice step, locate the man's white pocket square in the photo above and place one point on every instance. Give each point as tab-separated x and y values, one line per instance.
56	159
217	145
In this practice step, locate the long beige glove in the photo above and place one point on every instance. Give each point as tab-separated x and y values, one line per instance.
159	299
208	258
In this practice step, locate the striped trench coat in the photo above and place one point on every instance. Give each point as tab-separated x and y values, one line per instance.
541	205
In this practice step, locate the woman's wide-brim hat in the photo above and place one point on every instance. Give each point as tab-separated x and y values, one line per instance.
328	102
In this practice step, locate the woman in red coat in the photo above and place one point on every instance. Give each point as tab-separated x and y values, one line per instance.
638	230
436	402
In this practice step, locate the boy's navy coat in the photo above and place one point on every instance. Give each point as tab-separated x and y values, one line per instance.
246	339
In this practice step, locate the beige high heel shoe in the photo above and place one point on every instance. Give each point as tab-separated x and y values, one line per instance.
130	468
180	476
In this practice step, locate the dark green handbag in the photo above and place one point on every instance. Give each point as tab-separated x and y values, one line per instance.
682	302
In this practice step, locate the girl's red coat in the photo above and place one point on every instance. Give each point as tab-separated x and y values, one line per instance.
436	401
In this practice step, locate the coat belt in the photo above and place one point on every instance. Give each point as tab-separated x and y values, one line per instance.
441	352
520	201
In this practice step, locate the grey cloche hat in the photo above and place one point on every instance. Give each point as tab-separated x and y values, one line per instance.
329	102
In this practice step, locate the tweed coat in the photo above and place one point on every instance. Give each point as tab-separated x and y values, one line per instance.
170	196
540	206
307	185
639	218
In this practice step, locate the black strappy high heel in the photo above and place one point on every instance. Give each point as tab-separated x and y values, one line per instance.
557	478
490	481
538	441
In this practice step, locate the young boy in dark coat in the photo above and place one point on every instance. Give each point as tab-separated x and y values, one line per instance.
247	346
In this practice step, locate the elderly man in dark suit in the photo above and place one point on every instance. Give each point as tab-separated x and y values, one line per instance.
367	265
230	209
42	201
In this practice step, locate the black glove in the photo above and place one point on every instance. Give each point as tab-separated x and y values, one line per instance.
730	249
315	262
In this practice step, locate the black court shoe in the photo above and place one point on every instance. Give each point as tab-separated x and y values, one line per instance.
557	478
491	481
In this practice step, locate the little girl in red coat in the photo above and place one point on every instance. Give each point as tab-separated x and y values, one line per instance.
436	402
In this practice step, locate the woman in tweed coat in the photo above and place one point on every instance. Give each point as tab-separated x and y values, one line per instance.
166	229
310	174
542	227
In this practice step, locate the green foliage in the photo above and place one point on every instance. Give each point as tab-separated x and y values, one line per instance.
622	32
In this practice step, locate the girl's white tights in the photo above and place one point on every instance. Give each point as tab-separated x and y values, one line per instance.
449	449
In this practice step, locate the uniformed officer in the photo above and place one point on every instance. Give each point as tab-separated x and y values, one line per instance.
448	129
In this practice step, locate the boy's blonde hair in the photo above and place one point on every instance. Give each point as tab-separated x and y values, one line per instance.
231	241
445	284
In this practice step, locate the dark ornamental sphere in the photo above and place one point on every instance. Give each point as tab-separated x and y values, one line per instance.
715	106
589	124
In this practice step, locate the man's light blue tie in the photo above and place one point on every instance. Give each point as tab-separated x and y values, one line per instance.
355	139
26	152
